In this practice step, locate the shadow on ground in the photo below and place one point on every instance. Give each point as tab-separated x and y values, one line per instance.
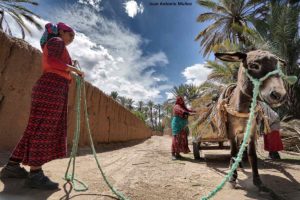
289	186
15	189
100	148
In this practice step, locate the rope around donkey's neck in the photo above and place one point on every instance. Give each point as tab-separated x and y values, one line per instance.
71	177
237	160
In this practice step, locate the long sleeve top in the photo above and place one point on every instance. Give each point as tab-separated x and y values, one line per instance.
180	111
272	116
56	58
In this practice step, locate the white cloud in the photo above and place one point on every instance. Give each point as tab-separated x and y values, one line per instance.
196	74
132	8
110	55
169	95
130	71
94	3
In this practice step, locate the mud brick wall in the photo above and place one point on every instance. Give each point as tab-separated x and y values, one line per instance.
20	68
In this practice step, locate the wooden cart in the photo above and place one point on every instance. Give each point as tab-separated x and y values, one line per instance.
208	138
206	132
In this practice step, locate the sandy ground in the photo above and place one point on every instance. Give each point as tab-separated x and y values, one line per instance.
144	170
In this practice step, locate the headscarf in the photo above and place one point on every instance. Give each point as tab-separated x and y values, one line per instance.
52	30
64	27
180	102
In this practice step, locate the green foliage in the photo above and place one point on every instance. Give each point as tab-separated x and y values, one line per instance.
230	20
159	128
222	72
242	25
129	103
122	100
140	106
189	91
280	29
140	115
114	95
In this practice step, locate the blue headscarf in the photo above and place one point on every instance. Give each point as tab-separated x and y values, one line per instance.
51	30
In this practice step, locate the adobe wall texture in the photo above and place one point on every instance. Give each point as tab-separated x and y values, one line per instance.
20	68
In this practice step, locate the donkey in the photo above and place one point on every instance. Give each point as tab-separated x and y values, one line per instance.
258	63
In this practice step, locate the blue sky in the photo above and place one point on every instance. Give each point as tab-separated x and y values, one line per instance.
142	56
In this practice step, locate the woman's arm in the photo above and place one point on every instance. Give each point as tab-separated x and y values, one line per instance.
56	47
73	69
178	110
191	111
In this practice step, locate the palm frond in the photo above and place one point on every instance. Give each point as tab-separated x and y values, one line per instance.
20	1
7	27
15	9
23	9
20	22
33	21
208	16
230	20
207	4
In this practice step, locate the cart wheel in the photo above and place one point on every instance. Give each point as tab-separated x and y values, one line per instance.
196	150
221	145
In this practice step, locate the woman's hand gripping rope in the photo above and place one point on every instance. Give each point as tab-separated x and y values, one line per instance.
74	68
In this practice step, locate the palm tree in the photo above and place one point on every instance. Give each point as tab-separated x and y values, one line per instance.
168	114
209	86
129	103
17	10
222	72
145	110
281	30
158	106
122	100
189	91
114	95
158	114
150	106
167	107
231	20
140	106
155	118
179	91
192	92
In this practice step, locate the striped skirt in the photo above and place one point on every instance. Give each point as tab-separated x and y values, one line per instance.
180	142
273	142
44	138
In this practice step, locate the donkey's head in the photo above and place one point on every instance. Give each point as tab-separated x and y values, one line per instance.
258	64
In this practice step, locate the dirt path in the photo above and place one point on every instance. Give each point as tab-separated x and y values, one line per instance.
145	171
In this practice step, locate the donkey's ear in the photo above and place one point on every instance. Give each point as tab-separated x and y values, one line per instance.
231	56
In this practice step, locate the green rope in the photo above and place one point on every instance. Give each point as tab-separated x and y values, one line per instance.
71	178
256	83
117	193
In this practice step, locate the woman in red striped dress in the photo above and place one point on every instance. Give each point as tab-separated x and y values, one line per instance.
44	138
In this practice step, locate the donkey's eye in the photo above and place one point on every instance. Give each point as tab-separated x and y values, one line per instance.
254	67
